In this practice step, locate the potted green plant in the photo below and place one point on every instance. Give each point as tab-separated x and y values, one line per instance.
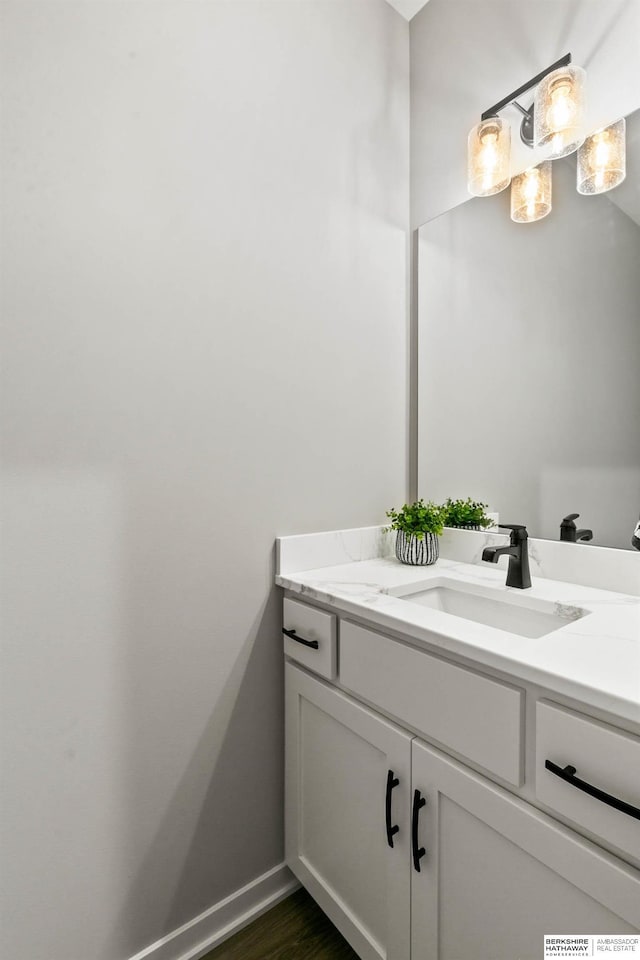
418	527
466	514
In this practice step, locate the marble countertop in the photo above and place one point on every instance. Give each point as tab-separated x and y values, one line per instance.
594	659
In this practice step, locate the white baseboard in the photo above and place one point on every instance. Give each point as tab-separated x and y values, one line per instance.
221	921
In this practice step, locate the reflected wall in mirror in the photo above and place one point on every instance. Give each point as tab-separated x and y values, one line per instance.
529	357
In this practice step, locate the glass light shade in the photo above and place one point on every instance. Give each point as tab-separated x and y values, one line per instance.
558	112
488	157
602	162
531	194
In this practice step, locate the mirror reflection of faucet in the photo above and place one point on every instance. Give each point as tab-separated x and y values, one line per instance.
570	533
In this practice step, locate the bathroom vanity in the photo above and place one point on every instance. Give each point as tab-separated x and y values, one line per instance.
462	759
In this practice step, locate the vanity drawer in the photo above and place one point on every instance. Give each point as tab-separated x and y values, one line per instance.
316	646
603	757
477	717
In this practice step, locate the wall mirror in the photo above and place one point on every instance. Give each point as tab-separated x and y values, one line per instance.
529	357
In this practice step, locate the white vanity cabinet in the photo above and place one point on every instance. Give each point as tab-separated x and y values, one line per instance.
497	874
342	763
473	871
477	717
598	755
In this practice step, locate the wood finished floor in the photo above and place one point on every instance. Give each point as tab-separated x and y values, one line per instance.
295	929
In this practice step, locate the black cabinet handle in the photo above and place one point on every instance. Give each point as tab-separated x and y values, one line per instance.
568	774
392	782
418	851
294	636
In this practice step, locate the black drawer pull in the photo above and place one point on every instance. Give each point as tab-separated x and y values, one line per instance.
392	782
568	773
294	636
418	851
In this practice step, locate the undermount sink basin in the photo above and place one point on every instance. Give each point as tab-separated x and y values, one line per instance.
515	614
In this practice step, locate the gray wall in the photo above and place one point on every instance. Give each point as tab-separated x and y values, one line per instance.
204	304
529	346
466	55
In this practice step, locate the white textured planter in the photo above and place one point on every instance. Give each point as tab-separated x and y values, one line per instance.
417	551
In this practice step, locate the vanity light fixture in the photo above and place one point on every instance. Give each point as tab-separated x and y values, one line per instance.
489	143
554	124
602	160
531	194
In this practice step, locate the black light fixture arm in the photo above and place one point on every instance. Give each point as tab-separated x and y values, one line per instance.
497	107
518	106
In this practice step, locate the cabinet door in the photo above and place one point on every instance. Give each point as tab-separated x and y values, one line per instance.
498	874
342	761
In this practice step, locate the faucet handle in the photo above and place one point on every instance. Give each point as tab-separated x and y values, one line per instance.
518	530
570	517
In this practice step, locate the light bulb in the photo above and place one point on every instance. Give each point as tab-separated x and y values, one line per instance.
601	156
531	194
602	160
488	157
562	109
530	191
558	111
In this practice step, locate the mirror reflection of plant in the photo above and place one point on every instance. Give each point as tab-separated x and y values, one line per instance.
417	518
465	513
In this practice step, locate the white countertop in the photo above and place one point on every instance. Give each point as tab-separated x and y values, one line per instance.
594	659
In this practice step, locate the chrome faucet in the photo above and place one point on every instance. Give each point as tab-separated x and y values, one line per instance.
570	533
518	573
